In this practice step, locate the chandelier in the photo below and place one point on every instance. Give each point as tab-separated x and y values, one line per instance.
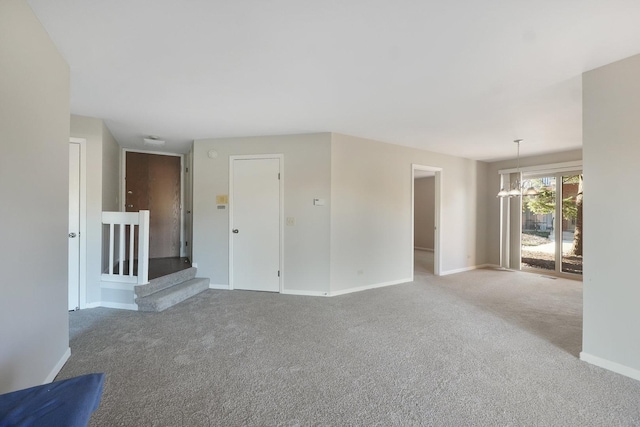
517	187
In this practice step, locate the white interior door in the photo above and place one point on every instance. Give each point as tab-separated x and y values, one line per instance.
74	226
255	224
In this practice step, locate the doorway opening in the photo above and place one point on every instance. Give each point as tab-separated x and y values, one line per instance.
425	219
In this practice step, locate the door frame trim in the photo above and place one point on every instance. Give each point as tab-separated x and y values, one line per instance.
123	187
437	218
280	157
83	220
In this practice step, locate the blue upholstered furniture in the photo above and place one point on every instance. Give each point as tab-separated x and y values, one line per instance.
66	403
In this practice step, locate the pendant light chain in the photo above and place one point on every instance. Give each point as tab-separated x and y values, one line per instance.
516	187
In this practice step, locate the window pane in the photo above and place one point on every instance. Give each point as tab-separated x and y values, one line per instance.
538	218
572	224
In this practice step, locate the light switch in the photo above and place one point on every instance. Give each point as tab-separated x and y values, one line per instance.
318	202
291	221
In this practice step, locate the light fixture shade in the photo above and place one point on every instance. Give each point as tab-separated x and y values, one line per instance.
516	188
515	193
154	141
503	193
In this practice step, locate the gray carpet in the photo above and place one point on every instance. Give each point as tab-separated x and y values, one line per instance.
479	348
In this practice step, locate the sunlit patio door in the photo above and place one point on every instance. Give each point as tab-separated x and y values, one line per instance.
552	229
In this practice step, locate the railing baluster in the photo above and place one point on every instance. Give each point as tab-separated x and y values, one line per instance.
143	247
131	245
121	250
111	248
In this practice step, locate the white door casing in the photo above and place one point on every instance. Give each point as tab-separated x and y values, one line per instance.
74	226
255	237
78	261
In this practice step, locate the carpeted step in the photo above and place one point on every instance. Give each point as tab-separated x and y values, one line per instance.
164	282
168	297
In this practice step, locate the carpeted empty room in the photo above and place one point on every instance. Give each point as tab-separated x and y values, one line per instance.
485	347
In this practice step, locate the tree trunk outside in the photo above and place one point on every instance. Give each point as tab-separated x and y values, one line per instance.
576	249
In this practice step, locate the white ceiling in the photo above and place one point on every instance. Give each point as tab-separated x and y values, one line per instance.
462	77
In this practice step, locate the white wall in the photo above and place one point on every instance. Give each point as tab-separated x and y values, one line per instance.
371	230
306	176
110	202
363	236
424	208
110	172
611	132
34	174
103	177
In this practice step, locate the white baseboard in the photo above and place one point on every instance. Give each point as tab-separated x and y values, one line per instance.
489	266
218	286
462	270
367	287
304	293
56	369
611	366
119	305
107	304
418	248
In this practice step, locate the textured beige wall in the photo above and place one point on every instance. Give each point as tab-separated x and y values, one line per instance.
34	183
424	209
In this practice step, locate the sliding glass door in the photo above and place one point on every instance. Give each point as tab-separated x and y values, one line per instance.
572	223
538	224
551	235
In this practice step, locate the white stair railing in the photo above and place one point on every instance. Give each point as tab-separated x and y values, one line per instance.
118	223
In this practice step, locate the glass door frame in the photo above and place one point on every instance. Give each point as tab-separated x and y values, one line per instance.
557	219
511	216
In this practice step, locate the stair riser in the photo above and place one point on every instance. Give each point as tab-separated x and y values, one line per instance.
164	282
168	297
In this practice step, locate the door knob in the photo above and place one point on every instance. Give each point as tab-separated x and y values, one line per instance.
129	206
235	231
72	235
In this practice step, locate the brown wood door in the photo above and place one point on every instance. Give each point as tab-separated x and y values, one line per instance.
153	183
